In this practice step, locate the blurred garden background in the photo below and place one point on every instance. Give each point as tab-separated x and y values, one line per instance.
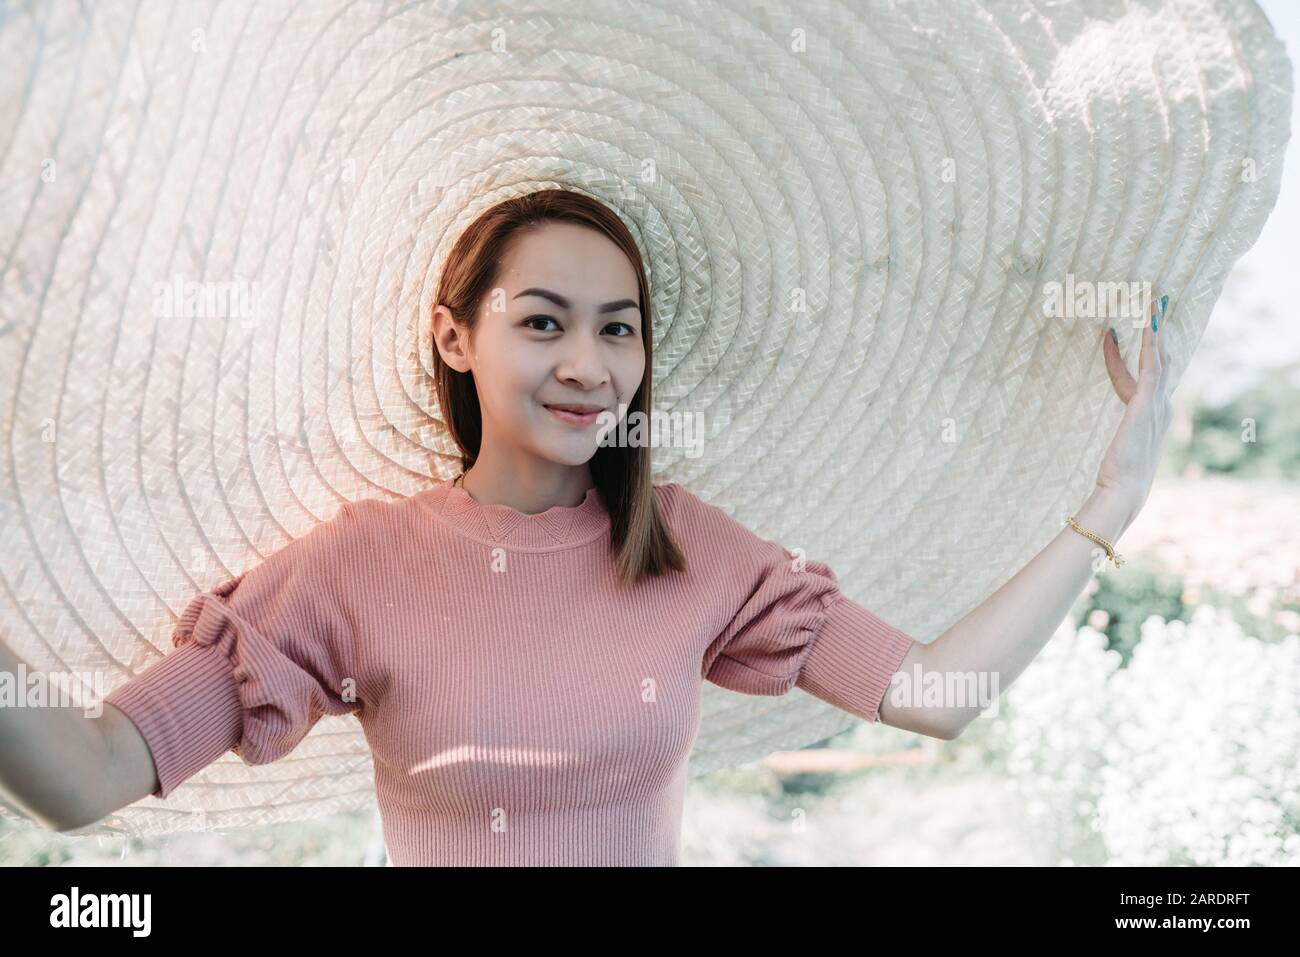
1161	725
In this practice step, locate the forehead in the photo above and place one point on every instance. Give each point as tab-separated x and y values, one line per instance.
573	260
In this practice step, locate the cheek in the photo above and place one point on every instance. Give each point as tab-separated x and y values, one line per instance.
512	373
628	373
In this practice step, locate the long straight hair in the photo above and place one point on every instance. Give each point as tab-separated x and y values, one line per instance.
639	533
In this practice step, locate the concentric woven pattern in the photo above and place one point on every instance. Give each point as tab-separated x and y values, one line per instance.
849	213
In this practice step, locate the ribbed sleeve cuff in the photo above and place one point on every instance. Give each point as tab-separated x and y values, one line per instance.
187	707
853	659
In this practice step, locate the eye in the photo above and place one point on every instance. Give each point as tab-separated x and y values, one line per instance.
630	330
535	318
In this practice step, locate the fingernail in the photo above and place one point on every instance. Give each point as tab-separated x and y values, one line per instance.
1113	336
1164	304
1154	327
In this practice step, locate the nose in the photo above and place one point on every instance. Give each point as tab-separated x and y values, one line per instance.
581	364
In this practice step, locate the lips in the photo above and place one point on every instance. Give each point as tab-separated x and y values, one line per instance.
576	409
575	414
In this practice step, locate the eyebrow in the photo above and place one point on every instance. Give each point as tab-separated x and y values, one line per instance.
616	306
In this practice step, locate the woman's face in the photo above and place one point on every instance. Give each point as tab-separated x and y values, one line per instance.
561	327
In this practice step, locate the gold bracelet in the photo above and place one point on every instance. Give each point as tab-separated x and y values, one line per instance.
1110	552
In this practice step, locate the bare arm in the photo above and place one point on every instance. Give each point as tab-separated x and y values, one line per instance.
66	770
1001	636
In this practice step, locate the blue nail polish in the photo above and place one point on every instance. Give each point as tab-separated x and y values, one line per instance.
1114	337
1154	327
1164	304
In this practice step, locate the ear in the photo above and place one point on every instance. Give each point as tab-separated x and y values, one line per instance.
450	339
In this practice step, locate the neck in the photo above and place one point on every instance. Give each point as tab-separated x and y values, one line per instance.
496	487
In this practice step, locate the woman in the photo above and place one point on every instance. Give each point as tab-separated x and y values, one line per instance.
524	644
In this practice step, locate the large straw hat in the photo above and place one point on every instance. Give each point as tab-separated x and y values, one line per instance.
850	212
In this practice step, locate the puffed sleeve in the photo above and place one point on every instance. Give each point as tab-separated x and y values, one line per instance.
789	624
257	661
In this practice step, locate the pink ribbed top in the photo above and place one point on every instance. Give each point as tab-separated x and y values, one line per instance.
519	708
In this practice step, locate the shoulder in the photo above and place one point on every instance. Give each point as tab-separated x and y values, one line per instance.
677	497
362	542
366	526
701	525
675	502
374	509
666	495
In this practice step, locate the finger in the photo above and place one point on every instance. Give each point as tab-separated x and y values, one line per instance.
1120	377
1148	360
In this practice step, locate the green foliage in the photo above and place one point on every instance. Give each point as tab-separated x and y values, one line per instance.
1129	599
1267	629
1255	436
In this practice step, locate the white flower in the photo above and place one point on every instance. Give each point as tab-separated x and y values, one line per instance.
1186	756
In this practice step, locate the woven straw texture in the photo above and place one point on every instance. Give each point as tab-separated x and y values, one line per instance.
849	212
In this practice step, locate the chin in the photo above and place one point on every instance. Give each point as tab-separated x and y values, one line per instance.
570	455
574	448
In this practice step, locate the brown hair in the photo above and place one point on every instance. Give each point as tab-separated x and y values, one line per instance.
638	531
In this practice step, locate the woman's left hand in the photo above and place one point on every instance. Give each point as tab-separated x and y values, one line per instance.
1129	466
